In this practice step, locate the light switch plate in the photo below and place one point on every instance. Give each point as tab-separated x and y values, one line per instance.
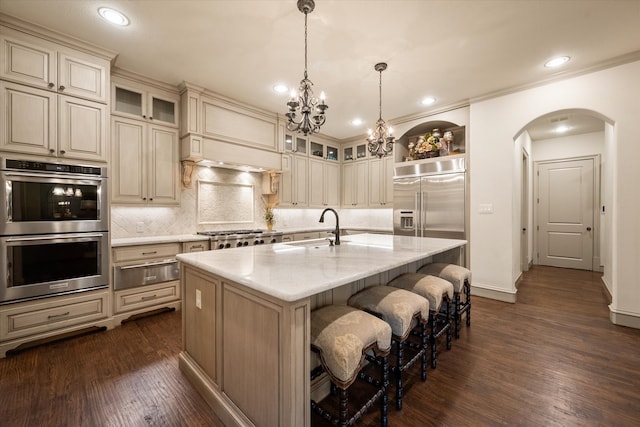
140	227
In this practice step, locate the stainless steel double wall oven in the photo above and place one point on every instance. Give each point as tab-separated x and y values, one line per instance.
54	222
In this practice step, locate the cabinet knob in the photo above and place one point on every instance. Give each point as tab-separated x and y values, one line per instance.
588	228
61	88
144	116
151	199
144	198
63	152
52	151
50	85
150	118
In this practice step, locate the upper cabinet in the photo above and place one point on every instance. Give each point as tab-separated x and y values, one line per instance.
39	63
144	102
53	97
355	152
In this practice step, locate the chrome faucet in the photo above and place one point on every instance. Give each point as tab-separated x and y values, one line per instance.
337	230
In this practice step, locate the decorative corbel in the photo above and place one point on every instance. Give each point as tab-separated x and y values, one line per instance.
187	171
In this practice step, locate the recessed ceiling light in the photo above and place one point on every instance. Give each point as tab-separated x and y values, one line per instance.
428	100
113	16
280	88
562	129
356	122
556	62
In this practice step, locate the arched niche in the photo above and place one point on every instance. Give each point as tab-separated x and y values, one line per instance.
401	147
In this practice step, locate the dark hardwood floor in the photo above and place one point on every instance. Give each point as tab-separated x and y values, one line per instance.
552	359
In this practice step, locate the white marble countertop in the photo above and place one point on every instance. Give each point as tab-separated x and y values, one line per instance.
295	270
150	240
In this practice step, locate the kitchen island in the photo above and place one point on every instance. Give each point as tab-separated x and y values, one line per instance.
246	315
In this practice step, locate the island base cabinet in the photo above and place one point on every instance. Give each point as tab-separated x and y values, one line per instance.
245	352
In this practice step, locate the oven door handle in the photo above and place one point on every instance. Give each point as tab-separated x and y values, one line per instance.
149	264
54	237
43	177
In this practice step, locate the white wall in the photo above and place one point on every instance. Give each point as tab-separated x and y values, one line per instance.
613	93
587	144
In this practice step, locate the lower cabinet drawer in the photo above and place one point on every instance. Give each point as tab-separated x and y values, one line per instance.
47	315
146	296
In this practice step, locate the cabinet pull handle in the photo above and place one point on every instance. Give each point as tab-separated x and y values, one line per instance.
57	316
50	85
150	297
61	88
149	253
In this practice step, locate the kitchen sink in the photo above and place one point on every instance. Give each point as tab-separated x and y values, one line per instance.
312	243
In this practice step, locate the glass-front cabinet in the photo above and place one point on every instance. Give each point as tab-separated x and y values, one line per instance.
355	152
295	144
144	103
323	150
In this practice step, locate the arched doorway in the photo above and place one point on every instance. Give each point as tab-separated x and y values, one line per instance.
563	176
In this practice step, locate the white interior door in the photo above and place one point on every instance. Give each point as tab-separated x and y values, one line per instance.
565	214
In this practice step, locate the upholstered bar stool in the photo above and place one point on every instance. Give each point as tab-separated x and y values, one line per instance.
439	292
460	278
344	337
405	312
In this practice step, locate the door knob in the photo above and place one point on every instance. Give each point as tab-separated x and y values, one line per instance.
588	228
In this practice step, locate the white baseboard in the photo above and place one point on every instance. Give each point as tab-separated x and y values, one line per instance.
491	292
631	320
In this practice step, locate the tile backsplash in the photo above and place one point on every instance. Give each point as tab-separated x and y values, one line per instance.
183	219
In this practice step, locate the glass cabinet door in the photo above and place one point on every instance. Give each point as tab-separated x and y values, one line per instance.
288	142
128	101
332	153
301	145
317	149
361	151
163	110
348	153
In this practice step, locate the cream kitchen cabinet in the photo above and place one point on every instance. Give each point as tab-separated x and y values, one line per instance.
133	300
324	187
381	182
43	123
195	246
40	63
144	102
28	321
294	181
354	152
355	185
144	163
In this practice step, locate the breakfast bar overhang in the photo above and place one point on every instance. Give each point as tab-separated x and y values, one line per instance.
246	315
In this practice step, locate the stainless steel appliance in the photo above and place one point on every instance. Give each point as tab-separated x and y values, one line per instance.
53	229
131	276
39	198
241	238
429	199
35	266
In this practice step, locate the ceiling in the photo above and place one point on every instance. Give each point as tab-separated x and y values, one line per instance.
455	50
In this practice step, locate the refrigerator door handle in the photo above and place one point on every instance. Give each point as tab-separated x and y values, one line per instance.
423	213
417	215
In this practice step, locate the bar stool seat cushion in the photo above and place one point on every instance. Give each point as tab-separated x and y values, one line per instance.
451	272
430	287
342	334
397	307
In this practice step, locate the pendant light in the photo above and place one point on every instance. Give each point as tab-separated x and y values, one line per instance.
304	102
380	140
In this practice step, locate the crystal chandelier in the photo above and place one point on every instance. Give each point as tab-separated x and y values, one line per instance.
380	141
311	109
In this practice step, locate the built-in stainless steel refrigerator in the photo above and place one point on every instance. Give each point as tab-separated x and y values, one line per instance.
429	199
